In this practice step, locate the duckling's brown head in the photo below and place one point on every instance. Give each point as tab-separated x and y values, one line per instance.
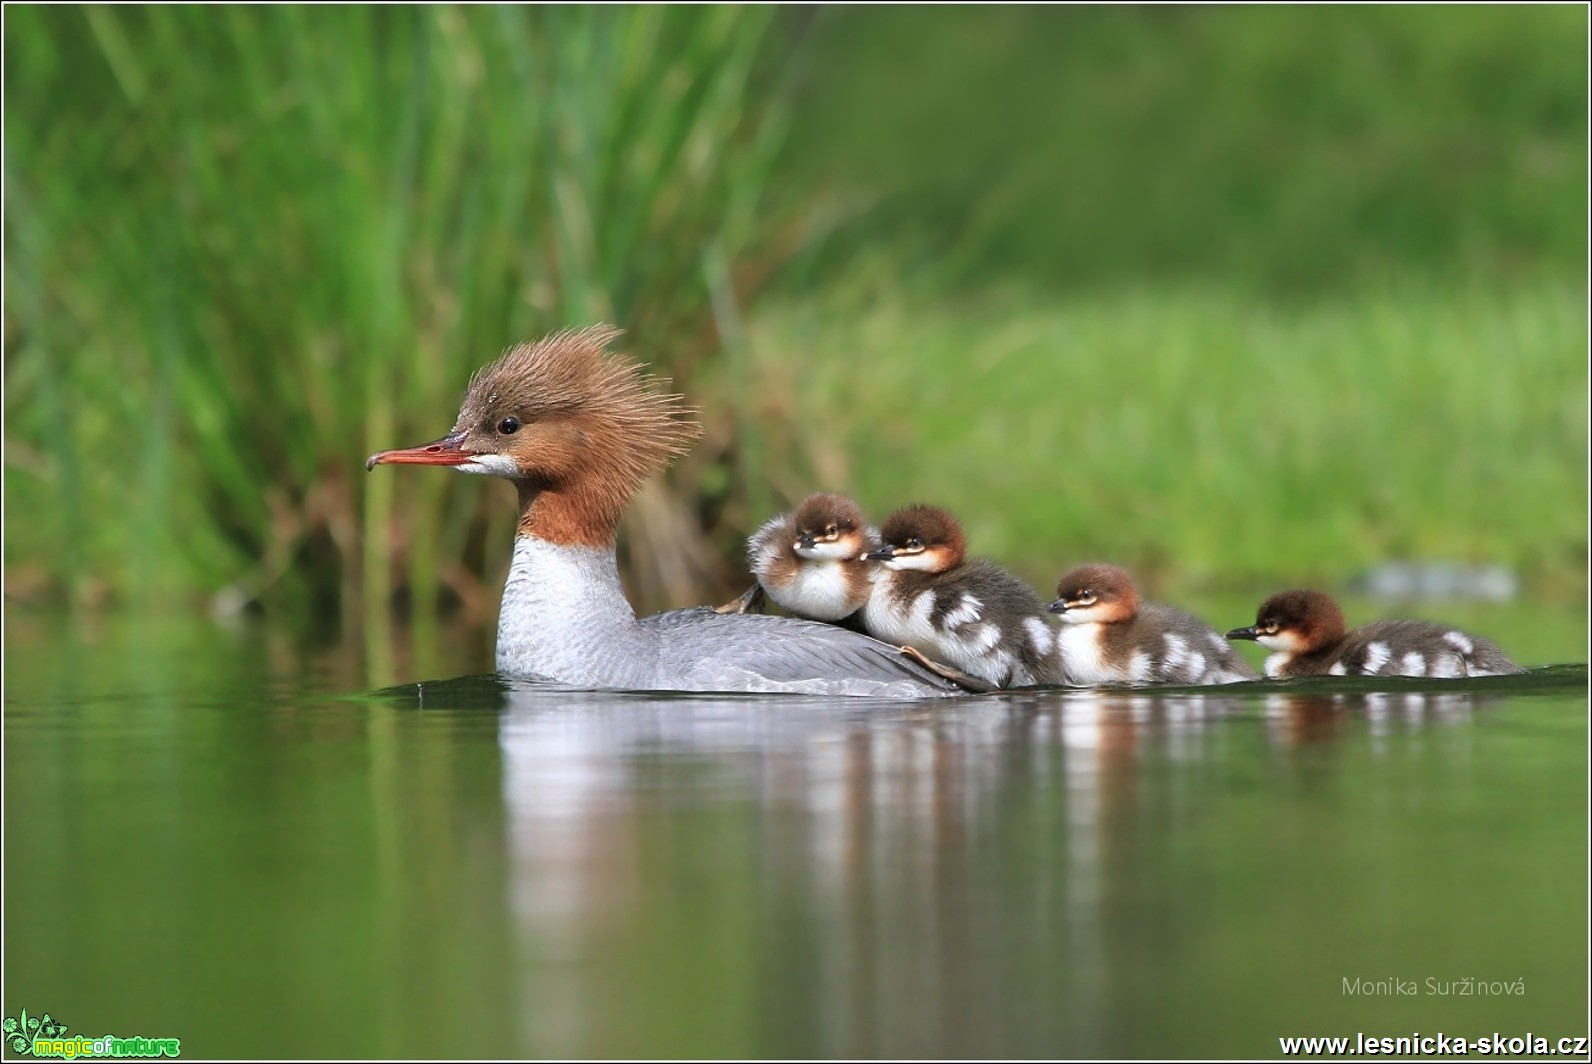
830	526
1093	594
926	538
1295	622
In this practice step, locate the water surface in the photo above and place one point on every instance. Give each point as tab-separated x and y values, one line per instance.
207	837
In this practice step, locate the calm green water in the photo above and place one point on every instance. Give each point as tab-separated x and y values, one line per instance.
206	838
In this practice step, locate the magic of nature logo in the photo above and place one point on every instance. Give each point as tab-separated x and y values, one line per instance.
45	1036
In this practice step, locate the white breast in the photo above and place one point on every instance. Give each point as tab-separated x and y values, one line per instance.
903	623
820	591
565	617
1084	657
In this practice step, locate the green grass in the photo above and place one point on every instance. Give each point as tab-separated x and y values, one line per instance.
1205	439
1276	148
247	247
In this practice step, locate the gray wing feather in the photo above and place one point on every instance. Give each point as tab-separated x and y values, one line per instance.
703	650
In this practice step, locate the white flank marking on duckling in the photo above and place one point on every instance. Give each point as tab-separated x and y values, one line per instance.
1275	664
982	638
1448	666
1413	664
1376	656
1176	650
1139	668
1040	635
1338	669
968	610
1459	642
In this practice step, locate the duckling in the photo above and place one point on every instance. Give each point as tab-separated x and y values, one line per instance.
1307	631
966	612
810	562
1109	637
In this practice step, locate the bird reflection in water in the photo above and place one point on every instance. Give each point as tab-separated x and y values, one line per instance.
869	835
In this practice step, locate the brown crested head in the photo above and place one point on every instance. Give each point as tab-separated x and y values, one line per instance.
922	537
1097	592
827	515
576	427
1301	620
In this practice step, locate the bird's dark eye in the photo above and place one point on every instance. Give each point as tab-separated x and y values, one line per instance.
831	531
1087	598
914	544
509	426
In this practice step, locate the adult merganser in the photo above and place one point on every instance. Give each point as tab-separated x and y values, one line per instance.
966	612
1306	630
576	430
810	562
1109	637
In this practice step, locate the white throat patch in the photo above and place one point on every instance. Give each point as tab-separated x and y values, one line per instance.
490	465
926	561
839	550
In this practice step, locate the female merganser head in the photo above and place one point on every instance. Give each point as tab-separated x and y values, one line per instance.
1108	637
968	613
809	561
577	430
1307	631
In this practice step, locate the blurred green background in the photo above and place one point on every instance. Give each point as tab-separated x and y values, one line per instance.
1236	297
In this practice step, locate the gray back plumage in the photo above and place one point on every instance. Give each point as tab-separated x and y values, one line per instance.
1417	648
700	650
